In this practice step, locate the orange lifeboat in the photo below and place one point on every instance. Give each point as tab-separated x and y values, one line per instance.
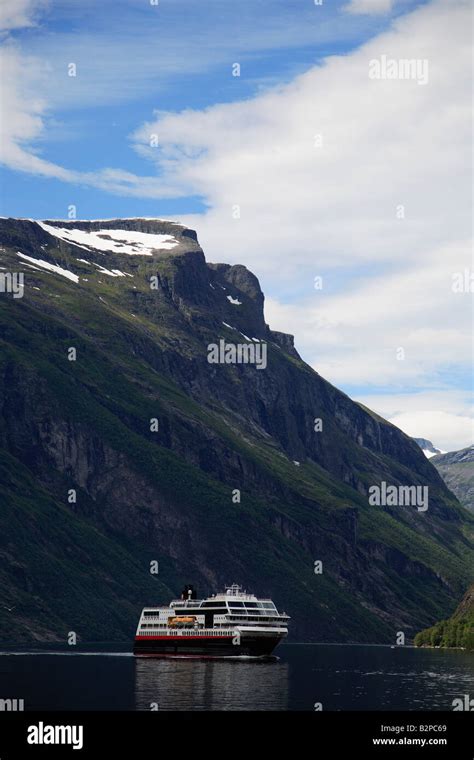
181	620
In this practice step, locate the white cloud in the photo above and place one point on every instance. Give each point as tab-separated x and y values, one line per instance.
444	417
15	14
24	113
369	7
449	432
26	121
354	336
384	144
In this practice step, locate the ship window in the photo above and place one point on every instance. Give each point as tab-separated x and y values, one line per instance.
215	605
187	611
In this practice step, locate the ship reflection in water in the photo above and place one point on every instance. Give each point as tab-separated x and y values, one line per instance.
225	684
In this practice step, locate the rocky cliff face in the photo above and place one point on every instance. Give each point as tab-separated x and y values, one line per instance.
429	450
220	471
457	470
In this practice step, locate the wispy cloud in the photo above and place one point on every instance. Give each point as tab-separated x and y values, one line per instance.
444	417
369	7
131	49
123	53
323	164
23	122
26	123
17	14
405	328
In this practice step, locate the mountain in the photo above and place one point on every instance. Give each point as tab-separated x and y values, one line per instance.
427	447
457	631
123	445
457	470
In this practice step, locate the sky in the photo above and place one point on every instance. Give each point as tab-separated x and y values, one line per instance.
261	124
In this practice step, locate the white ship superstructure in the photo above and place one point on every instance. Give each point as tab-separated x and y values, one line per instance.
232	623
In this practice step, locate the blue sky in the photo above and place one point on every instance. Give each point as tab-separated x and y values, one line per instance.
249	141
133	58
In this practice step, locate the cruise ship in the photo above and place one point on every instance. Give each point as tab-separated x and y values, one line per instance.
230	624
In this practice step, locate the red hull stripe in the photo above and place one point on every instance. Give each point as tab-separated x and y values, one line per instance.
180	638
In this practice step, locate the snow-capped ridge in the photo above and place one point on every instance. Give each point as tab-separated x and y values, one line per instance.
108	240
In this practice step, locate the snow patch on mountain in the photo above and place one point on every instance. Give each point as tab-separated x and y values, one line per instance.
427	447
109	272
50	267
113	241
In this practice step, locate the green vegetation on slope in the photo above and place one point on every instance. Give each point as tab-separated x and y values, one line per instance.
455	632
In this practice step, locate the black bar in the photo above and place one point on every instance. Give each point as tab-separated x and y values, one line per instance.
317	735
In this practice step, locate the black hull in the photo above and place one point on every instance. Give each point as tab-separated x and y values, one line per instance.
257	646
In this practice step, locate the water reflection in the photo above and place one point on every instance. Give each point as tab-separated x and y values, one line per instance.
339	677
227	684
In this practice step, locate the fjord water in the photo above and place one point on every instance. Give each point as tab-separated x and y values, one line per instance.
339	677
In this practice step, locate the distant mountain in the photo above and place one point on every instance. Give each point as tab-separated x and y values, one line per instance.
457	470
133	440
456	631
427	447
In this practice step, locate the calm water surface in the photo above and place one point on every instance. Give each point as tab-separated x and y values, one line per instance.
339	677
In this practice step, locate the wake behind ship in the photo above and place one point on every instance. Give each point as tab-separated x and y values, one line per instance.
230	624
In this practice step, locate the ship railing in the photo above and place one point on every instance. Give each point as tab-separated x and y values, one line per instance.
256	614
185	602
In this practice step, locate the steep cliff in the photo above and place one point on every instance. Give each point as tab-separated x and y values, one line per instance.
457	470
221	471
